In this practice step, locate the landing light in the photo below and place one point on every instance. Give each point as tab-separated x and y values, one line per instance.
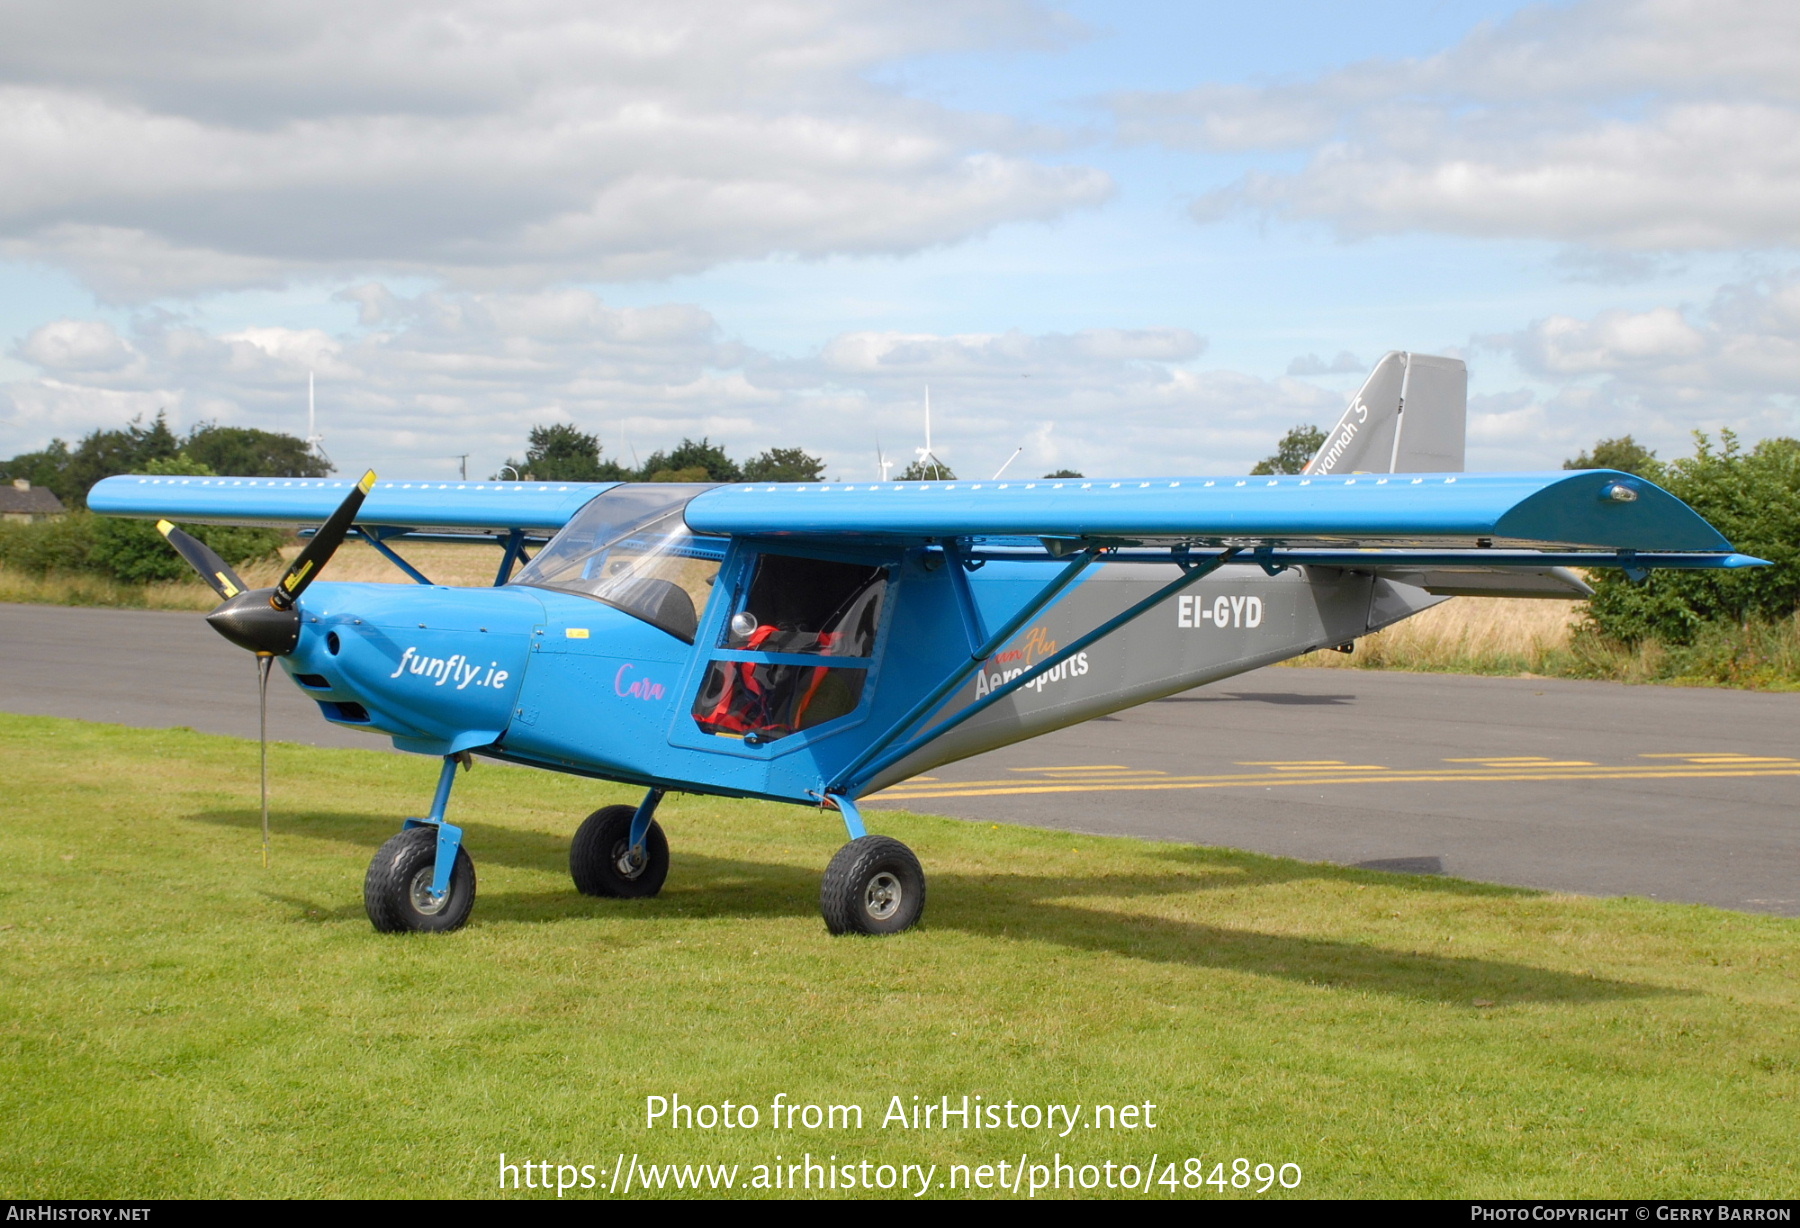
1618	492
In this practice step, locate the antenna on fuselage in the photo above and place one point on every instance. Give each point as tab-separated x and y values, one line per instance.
1009	460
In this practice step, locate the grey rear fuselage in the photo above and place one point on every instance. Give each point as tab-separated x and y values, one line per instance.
1238	618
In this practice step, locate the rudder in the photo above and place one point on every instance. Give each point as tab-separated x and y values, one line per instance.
1410	416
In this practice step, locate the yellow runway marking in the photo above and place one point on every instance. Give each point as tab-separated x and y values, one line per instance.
1077	767
1718	757
1104	767
1342	774
1336	767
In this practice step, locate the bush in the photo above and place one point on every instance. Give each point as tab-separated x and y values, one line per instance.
134	552
131	551
62	544
1753	498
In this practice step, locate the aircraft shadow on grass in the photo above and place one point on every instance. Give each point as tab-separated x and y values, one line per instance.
1065	909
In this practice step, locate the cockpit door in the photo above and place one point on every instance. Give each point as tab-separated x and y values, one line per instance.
792	651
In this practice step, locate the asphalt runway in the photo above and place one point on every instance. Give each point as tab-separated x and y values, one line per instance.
1673	793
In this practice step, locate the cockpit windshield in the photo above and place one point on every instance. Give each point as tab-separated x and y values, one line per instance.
630	548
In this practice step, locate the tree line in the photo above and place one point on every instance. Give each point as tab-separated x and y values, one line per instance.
139	447
1752	495
563	452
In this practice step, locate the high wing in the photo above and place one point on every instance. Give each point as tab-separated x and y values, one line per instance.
538	507
1449	527
1324	520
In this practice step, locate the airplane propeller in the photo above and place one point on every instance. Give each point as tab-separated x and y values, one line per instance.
264	620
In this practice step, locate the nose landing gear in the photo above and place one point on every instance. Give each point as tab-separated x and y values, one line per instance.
423	880
397	889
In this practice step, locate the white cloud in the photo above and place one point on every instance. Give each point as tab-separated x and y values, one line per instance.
1311	364
172	150
76	345
1637	125
1612	341
428	377
1658	374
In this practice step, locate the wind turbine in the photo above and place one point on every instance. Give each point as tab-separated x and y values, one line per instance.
928	460
314	440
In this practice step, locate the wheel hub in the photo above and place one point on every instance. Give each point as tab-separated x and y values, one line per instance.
423	902
884	896
628	861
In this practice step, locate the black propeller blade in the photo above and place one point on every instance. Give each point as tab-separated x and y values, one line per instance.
213	569
305	569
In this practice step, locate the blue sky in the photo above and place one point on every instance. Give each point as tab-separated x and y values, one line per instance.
1111	234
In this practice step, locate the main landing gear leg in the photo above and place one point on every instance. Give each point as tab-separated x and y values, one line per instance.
874	885
422	880
621	852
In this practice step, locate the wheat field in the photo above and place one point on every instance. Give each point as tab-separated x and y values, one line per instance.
441	562
1486	634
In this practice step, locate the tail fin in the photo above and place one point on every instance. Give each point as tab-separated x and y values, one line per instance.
1408	417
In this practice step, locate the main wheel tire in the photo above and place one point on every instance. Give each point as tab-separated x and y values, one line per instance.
600	859
397	888
873	886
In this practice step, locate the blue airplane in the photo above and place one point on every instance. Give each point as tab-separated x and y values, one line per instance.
817	642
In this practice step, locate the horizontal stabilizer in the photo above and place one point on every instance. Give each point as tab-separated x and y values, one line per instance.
1558	582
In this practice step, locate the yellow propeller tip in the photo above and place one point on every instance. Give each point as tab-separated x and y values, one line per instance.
164	527
367	483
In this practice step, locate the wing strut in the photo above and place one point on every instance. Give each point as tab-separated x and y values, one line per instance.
378	539
977	655
515	550
860	772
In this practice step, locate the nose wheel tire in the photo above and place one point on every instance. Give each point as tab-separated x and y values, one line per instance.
873	886
397	888
602	862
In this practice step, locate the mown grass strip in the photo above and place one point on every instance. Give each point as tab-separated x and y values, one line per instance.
179	1021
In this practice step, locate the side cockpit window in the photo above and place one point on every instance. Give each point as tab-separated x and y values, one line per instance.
797	651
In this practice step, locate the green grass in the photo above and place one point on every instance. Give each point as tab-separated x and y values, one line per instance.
180	1021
